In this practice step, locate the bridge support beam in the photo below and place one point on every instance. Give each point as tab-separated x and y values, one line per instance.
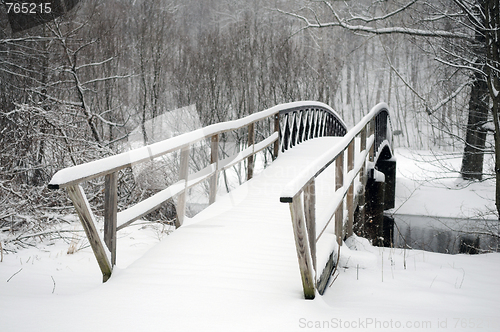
373	228
388	167
88	221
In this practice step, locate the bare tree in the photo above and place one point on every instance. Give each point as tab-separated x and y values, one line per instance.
471	27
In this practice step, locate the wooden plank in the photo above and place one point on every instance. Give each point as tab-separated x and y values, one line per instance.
214	159
251	141
87	219
325	275
339	183
183	176
310	216
302	247
128	216
110	213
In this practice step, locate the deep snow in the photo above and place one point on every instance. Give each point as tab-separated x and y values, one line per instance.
227	272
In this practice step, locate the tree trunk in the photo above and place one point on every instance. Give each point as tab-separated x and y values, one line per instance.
475	141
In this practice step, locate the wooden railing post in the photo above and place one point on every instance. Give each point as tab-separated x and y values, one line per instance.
372	132
276	147
110	213
339	183
251	141
360	215
310	216
302	247
87	219
183	175
350	192
214	159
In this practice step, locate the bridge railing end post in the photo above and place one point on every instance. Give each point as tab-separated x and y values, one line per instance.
110	213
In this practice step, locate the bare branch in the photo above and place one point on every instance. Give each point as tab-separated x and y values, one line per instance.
374	30
447	99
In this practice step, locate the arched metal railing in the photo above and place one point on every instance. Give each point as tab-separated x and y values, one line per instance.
307	121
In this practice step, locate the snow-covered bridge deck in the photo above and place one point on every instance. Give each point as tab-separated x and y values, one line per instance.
320	142
239	249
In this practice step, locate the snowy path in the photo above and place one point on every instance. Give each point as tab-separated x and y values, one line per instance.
234	268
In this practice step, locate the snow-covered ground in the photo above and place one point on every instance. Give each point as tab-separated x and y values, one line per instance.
429	184
222	272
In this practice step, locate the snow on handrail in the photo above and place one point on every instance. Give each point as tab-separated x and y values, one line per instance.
79	173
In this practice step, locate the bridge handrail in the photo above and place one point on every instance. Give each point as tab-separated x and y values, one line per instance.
84	172
300	192
326	159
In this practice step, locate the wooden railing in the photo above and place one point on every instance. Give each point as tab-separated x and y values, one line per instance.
373	132
301	121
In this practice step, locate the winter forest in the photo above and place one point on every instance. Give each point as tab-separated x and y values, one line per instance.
74	89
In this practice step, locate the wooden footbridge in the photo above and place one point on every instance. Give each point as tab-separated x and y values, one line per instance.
306	142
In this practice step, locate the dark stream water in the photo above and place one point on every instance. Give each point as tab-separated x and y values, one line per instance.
446	235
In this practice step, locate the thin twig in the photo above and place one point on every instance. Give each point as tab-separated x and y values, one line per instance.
14	274
54	288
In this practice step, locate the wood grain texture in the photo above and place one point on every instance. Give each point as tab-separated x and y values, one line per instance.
302	247
310	217
350	191
339	183
183	176
110	213
87	219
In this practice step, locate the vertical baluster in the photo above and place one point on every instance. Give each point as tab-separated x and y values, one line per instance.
372	132
214	159
339	183
183	175
295	129
360	216
350	192
277	129
251	141
110	213
286	133
310	216
300	127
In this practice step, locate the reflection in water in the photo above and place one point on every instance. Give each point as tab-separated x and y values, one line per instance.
446	235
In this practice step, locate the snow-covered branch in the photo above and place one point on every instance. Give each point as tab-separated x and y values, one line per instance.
345	23
377	18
